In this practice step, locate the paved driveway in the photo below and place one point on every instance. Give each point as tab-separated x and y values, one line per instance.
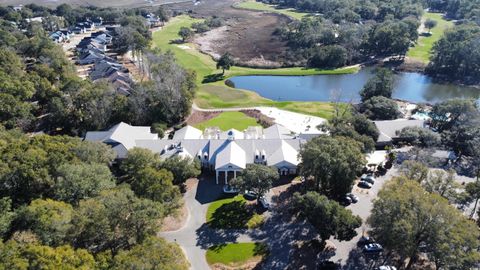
196	200
195	236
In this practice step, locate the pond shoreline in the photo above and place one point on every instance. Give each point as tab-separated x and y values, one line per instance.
413	87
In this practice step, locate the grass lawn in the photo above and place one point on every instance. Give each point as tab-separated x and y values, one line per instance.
228	120
233	213
216	94
236	254
254	5
422	49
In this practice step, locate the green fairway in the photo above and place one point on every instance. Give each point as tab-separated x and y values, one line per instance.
422	49
236	254
217	94
228	120
253	5
233	213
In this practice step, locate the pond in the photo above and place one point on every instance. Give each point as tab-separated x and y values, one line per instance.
414	87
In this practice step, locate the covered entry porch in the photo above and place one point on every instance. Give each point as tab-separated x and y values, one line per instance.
224	176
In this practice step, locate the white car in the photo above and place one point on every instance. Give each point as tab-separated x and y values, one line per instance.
229	189
387	267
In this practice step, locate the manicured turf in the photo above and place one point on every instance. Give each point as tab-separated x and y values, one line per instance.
253	5
236	254
233	213
216	94
422	49
228	120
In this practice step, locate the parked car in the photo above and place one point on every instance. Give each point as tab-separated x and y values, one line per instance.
368	178
229	189
250	195
387	267
352	197
365	240
373	248
345	200
262	201
364	184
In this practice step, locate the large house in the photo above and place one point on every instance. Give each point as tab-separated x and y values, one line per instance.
224	152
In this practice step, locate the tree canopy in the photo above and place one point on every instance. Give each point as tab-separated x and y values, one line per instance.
328	217
257	178
333	162
381	84
405	219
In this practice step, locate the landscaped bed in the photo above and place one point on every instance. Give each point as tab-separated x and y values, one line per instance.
233	213
245	255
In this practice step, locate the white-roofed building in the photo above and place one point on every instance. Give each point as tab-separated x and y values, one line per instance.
227	153
188	132
121	137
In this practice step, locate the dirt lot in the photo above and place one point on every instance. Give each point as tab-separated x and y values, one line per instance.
247	35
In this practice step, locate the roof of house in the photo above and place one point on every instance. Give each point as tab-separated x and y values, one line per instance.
123	134
389	128
187	132
230	154
277	132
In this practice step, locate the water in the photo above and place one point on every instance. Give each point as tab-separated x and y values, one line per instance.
414	87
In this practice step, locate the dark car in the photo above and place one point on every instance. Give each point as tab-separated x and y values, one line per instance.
365	240
250	195
364	184
352	197
373	248
345	200
368	178
263	203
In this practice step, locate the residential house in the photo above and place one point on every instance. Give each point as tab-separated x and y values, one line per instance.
90	57
57	37
98	21
152	20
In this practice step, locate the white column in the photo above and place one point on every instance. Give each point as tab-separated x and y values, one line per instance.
216	178
234	174
226	177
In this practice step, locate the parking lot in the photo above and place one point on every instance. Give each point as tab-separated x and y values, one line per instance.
347	253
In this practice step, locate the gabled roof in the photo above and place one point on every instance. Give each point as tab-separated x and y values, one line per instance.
286	153
277	132
187	132
389	128
122	133
230	155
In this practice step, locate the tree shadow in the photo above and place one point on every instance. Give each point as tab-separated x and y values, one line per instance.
359	261
176	41
207	190
208	237
213	78
233	215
